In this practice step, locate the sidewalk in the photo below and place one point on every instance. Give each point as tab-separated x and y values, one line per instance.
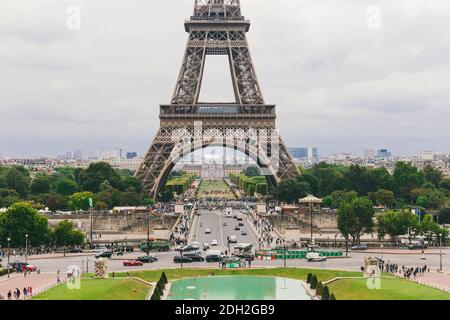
38	282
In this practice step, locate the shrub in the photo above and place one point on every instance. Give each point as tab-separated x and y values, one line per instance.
313	282
308	279
326	293
319	289
164	278
156	294
332	297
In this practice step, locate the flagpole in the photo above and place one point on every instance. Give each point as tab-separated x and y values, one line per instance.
92	222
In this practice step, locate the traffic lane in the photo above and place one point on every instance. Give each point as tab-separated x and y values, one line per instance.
230	230
209	220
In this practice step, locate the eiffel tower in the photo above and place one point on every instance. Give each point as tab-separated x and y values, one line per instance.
216	27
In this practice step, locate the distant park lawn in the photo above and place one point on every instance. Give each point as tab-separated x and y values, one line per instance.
99	289
391	288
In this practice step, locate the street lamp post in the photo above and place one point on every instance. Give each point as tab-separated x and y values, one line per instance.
9	253
440	252
382	253
26	248
284	255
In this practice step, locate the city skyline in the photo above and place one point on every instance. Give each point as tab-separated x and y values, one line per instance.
341	85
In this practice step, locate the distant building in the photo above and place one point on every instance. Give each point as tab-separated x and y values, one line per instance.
78	155
383	153
310	153
369	153
131	155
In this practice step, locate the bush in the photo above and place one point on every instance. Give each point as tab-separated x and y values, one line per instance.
332	297
164	278
319	289
313	282
308	279
156	294
326	293
3	272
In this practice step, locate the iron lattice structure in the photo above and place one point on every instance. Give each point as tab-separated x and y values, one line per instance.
216	27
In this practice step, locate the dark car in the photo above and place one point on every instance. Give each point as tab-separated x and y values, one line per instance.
104	254
184	259
241	224
195	257
75	250
147	259
237	228
360	247
213	258
416	246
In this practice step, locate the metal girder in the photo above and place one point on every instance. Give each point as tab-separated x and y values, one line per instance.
215	29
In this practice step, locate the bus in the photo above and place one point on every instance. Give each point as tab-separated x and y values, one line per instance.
243	249
229	213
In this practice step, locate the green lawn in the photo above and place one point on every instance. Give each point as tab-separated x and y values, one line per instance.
215	185
391	288
99	289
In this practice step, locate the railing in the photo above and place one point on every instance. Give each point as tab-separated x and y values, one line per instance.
218	109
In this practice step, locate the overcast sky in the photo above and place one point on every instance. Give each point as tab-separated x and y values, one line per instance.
340	80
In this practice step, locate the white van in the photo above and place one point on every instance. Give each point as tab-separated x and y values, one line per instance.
232	239
229	213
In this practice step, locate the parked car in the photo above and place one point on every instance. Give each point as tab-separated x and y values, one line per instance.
224	224
232	239
214	243
99	250
132	263
184	259
416	246
360	246
195	257
207	231
75	250
213	258
237	228
241	224
31	268
190	249
147	259
243	232
104	254
315	257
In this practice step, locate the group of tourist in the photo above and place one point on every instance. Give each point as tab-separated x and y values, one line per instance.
16	294
265	229
181	231
403	271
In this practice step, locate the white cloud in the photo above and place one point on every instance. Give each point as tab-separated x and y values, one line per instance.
337	84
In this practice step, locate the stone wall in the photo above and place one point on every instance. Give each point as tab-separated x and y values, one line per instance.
116	223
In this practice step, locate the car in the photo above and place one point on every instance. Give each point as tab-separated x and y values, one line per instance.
213	258
195	257
75	250
99	250
190	249
132	263
184	259
31	268
104	254
195	245
224	224
243	232
360	247
237	228
241	224
214	243
147	259
207	231
232	239
315	257
205	246
417	245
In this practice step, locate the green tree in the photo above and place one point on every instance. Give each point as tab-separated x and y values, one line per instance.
444	216
97	173
290	190
18	179
338	197
385	198
80	201
66	186
252	171
314	282
445	184
406	178
355	218
22	219
319	289
8	197
326	293
432	175
40	184
65	235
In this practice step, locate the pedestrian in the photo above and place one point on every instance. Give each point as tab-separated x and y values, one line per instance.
9	295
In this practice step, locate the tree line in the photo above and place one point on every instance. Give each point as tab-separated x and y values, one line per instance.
68	188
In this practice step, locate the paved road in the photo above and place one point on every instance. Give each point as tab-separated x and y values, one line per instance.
214	220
